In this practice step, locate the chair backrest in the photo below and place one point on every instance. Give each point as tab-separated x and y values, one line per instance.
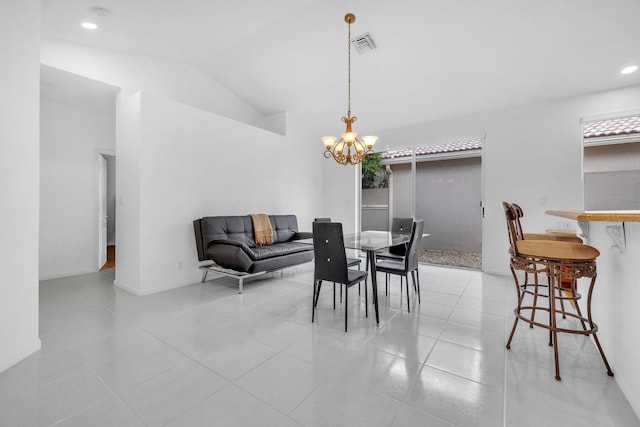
400	225
328	249
519	214
511	215
412	259
322	220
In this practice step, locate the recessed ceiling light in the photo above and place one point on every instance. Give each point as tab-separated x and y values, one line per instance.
89	25
628	70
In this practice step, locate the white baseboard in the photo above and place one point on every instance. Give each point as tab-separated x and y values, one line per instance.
137	292
68	274
126	287
497	272
11	356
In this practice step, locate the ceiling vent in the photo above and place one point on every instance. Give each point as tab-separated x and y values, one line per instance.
363	43
99	11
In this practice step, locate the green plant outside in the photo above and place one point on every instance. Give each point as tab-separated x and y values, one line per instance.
374	174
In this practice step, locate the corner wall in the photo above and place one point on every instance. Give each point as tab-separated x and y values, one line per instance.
128	134
19	170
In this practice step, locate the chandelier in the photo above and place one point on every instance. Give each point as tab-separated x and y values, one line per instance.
348	149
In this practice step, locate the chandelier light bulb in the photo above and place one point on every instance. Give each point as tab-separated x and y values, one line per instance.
328	141
349	137
370	140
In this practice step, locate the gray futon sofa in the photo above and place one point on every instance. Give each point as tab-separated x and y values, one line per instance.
229	242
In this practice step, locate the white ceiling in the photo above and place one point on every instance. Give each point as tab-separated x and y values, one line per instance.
435	59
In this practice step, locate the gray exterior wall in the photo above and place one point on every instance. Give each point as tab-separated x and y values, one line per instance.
612	177
448	195
375	209
401	182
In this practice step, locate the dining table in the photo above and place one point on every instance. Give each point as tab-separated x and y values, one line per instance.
371	241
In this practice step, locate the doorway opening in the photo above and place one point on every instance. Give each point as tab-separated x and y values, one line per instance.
106	212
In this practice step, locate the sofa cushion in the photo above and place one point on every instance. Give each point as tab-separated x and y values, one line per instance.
284	227
278	249
237	228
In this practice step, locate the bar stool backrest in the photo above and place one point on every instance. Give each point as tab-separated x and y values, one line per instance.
519	214
511	216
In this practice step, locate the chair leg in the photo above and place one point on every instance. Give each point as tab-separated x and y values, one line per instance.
416	282
315	304
574	292
521	293
313	301
407	282
346	306
334	295
366	304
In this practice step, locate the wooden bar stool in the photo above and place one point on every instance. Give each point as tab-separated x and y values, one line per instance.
559	260
566	236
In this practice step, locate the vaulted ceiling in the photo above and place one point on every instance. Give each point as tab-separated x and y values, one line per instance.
434	59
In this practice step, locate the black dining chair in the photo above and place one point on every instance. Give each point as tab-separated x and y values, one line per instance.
331	265
410	262
351	262
397	252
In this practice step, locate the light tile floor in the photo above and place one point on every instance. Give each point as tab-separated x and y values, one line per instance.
204	355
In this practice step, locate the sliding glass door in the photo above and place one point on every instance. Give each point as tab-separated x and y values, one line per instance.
440	184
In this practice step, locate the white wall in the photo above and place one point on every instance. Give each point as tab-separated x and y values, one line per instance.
341	189
19	110
193	163
178	81
70	141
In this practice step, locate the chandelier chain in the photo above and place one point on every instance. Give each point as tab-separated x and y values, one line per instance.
349	71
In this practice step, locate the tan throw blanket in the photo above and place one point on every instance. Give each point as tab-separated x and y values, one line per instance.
262	229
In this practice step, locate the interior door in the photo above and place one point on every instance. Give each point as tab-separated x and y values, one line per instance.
102	211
